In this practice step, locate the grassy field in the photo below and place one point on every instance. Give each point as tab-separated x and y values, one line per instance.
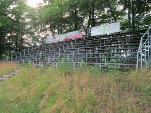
7	67
83	90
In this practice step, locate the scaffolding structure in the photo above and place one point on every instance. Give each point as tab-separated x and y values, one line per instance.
119	51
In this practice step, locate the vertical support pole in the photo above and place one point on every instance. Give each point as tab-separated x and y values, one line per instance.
87	33
148	56
28	50
86	56
63	50
74	65
59	53
100	54
20	57
137	65
54	56
141	56
28	55
149	51
78	57
105	62
30	61
56	64
45	55
145	57
100	66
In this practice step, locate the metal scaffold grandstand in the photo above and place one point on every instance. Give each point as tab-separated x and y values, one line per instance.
104	46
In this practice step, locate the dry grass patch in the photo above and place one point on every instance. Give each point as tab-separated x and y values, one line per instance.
84	90
7	67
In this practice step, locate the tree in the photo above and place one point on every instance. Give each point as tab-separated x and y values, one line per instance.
13	23
21	25
138	11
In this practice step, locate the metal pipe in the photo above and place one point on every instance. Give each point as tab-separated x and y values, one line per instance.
145	59
148	52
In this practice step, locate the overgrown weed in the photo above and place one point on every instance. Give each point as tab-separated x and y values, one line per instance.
81	90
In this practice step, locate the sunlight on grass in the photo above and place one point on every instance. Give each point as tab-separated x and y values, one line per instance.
7	67
63	90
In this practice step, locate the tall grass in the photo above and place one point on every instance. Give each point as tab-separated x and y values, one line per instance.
83	90
7	67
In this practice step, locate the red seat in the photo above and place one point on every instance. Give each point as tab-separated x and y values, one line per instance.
65	39
74	37
80	36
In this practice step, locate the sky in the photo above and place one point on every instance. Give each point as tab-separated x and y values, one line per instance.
33	3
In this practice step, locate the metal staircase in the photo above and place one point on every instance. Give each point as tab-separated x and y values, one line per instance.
144	51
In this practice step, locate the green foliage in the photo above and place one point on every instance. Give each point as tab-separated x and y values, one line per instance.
94	71
72	12
147	19
13	24
4	57
91	99
5	21
82	64
27	65
0	24
64	65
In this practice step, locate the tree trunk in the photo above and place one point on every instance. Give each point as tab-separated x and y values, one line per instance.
16	42
1	42
58	26
129	12
133	15
9	54
89	21
75	18
17	37
93	18
111	10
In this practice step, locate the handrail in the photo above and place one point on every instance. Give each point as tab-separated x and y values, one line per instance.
144	36
141	45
